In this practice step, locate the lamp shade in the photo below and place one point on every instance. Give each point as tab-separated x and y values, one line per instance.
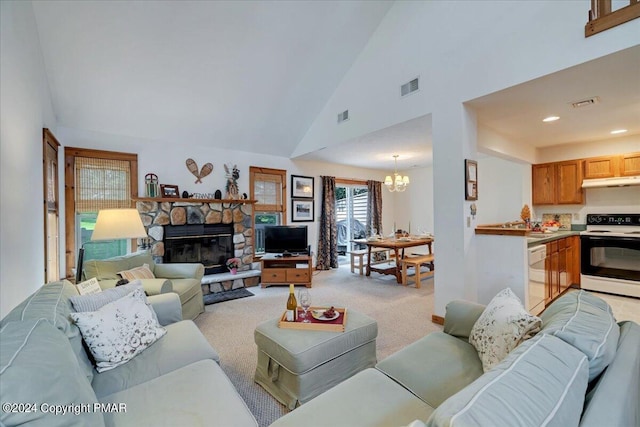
113	224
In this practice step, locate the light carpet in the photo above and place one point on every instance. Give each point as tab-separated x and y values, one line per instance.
403	315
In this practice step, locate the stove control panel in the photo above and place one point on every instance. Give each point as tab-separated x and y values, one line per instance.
613	219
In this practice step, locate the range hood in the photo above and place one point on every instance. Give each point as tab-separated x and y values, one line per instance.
620	181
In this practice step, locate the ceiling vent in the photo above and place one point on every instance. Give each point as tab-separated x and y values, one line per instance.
585	102
343	116
410	87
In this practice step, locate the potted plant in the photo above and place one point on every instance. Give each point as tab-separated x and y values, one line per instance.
233	264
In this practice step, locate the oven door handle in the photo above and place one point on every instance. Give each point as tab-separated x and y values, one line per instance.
610	238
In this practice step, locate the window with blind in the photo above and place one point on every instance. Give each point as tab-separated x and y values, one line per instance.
268	188
102	184
96	180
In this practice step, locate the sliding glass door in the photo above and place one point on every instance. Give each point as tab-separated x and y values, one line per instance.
351	215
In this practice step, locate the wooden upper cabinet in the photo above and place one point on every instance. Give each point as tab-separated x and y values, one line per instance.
557	183
543	184
569	182
600	167
630	164
611	166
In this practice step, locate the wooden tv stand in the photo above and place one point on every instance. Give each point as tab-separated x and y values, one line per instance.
281	270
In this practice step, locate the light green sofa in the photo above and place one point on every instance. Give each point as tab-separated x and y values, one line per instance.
44	367
581	369
182	278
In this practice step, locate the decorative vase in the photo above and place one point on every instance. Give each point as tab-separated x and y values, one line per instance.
234	270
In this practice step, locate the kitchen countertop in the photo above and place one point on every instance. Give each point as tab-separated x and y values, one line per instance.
549	237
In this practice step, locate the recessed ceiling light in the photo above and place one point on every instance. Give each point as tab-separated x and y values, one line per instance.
551	119
617	131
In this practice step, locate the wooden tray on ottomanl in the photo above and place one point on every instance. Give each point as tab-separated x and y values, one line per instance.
336	325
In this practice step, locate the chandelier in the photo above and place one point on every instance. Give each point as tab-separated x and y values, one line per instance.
398	183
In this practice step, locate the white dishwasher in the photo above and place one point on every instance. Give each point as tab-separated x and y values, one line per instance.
536	289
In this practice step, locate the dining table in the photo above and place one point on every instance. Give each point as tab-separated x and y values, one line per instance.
396	244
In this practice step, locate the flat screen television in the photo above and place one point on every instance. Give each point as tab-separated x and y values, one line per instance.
285	239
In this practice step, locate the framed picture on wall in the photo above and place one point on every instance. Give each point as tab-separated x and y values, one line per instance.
170	191
302	187
301	210
470	180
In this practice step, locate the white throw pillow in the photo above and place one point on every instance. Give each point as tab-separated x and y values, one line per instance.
118	331
501	327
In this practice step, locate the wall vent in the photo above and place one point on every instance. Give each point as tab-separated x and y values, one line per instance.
585	102
410	87
343	116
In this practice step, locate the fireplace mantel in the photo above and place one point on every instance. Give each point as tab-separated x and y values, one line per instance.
191	200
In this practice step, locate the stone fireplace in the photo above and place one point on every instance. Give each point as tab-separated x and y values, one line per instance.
209	244
167	220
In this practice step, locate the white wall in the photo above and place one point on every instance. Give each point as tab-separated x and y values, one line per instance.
25	108
504	187
169	165
607	147
414	207
497	145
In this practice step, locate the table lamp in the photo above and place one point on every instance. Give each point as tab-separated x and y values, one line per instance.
114	224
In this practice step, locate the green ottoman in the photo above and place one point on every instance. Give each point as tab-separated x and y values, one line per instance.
295	366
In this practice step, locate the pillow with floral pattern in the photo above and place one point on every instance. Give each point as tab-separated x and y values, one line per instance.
118	331
503	325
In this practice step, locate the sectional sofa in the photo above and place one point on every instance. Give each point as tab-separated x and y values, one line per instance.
582	368
48	378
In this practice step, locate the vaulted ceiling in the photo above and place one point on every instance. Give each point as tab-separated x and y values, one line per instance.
248	75
253	76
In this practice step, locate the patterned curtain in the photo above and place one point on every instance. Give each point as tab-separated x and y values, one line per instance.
374	212
374	207
328	238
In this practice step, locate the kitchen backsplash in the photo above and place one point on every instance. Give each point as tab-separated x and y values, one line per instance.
564	219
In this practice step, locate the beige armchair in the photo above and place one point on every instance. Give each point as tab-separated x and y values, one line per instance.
182	278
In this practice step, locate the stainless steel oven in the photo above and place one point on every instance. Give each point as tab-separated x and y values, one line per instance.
610	254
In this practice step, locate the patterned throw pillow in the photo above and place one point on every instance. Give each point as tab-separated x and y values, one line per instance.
502	326
118	331
93	302
142	272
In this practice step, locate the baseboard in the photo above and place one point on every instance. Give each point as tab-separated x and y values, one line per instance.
437	319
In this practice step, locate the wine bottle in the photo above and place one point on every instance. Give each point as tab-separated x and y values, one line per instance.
292	305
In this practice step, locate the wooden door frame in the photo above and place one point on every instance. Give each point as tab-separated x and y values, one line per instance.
49	139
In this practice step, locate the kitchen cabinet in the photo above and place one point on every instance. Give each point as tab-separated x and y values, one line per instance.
573	258
562	266
552	267
543	181
557	183
630	164
612	166
569	182
600	167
